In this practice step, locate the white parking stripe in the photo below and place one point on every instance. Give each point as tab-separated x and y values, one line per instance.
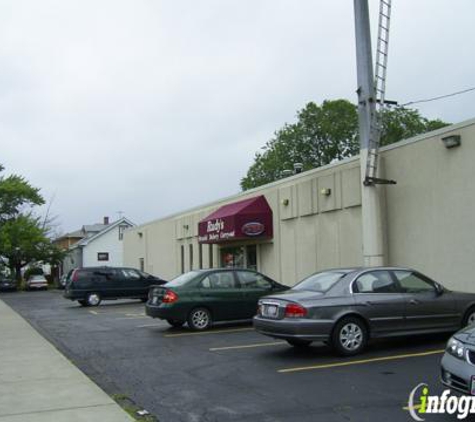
248	346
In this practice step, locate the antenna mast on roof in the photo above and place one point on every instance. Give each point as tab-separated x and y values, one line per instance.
369	106
381	67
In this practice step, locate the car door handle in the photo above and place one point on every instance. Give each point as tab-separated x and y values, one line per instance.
414	302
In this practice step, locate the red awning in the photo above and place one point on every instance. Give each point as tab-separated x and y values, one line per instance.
247	219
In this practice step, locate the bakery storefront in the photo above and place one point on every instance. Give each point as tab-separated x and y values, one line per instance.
237	229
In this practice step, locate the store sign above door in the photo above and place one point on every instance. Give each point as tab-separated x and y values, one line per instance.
243	220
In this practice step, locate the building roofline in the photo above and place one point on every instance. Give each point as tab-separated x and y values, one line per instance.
305	174
88	240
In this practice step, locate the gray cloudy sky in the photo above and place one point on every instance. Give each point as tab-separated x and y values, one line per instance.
150	106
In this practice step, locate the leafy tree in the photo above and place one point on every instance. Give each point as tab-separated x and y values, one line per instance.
403	123
16	194
23	237
324	134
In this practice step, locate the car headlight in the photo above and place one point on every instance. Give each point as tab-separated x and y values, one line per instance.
456	348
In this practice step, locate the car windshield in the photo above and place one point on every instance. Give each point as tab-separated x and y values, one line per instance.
183	279
320	282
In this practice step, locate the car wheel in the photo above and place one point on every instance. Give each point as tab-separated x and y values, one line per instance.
199	319
175	322
82	302
299	343
93	299
349	336
469	318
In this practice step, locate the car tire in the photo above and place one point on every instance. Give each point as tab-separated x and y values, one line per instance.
199	319
93	299
175	322
469	318
349	337
82	302
299	343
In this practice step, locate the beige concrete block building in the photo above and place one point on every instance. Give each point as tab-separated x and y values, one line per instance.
429	219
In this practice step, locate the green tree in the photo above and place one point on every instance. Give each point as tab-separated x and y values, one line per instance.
324	134
16	194
23	237
403	123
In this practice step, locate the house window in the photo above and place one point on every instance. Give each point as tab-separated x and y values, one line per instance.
103	256
121	231
142	264
191	256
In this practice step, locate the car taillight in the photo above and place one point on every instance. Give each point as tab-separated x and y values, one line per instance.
169	297
292	310
74	276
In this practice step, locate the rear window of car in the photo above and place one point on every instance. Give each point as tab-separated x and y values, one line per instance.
320	282
183	279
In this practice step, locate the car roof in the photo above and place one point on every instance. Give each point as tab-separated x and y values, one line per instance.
206	270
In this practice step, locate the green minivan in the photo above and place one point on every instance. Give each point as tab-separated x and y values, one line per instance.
202	297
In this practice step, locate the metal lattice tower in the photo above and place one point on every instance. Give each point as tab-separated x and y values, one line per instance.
379	92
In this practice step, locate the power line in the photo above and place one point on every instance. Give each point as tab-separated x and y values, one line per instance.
439	97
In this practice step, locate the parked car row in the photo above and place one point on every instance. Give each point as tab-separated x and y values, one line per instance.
344	308
33	282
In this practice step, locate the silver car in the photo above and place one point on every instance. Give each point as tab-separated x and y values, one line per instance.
346	307
36	282
458	363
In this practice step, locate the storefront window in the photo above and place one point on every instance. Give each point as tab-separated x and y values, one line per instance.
239	257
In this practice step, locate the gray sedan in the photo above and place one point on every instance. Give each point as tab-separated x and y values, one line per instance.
458	363
346	307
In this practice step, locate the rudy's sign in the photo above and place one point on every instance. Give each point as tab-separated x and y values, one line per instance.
216	231
250	218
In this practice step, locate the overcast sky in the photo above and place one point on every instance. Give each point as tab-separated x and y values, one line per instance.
151	107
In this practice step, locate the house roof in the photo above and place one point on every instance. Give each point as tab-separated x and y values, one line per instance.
94	228
107	228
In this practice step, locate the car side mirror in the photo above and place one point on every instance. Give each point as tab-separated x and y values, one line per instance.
439	290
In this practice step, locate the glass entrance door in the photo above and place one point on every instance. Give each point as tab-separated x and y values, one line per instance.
239	257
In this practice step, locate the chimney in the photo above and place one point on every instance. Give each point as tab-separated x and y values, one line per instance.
106	220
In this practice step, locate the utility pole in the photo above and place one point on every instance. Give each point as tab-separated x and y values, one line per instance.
373	240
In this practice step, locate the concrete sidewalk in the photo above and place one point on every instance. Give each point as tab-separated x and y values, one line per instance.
38	384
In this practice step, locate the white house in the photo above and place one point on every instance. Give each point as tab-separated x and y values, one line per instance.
103	248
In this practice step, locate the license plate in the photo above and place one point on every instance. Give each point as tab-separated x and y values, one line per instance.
472	386
271	310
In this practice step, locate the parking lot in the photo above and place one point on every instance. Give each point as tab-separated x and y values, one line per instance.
230	373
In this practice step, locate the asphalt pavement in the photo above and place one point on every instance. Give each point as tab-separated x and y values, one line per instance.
38	384
230	373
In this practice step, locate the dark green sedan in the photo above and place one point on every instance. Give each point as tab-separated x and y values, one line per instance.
206	296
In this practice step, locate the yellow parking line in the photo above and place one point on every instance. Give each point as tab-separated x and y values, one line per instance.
360	362
248	346
415	407
200	333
